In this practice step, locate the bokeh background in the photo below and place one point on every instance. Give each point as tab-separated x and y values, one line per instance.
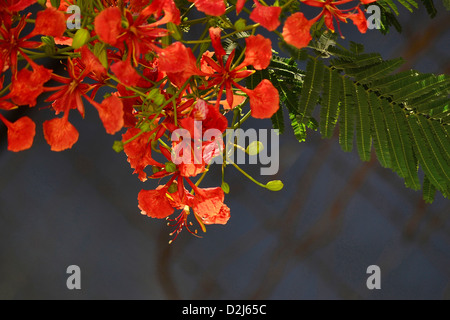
314	240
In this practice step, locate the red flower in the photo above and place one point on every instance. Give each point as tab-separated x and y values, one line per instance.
223	77
268	17
20	133
210	7
206	203
207	115
50	22
296	30
139	36
68	96
359	19
330	11
137	146
28	85
11	44
60	134
12	6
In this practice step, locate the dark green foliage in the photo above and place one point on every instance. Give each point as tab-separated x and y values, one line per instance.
405	116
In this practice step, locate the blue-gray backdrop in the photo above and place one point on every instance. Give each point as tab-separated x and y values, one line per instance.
314	240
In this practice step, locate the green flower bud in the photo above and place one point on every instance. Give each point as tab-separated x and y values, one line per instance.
153	93
173	188
240	24
173	28
81	38
49	41
225	187
156	169
118	146
146	126
159	99
254	148
55	3
170	167
275	185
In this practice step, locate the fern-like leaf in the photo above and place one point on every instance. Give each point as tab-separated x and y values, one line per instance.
330	102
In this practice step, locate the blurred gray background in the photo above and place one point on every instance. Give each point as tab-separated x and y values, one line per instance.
314	240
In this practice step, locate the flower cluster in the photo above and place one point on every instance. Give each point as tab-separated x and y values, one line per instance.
157	83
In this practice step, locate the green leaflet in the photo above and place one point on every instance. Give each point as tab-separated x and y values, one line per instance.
420	87
402	156
429	190
363	136
330	102
312	86
436	151
403	115
429	165
431	9
299	128
409	4
368	73
379	131
446	4
278	120
347	115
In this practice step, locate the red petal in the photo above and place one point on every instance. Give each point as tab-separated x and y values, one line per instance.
179	78
50	22
171	12
296	30
108	25
6	105
174	58
208	203
138	5
20	5
111	114
264	100
240	5
221	218
359	20
214	34
258	52
91	62
154	203
214	119
211	7
126	73
191	169
139	151
28	85
268	17
64	41
60	134
20	133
